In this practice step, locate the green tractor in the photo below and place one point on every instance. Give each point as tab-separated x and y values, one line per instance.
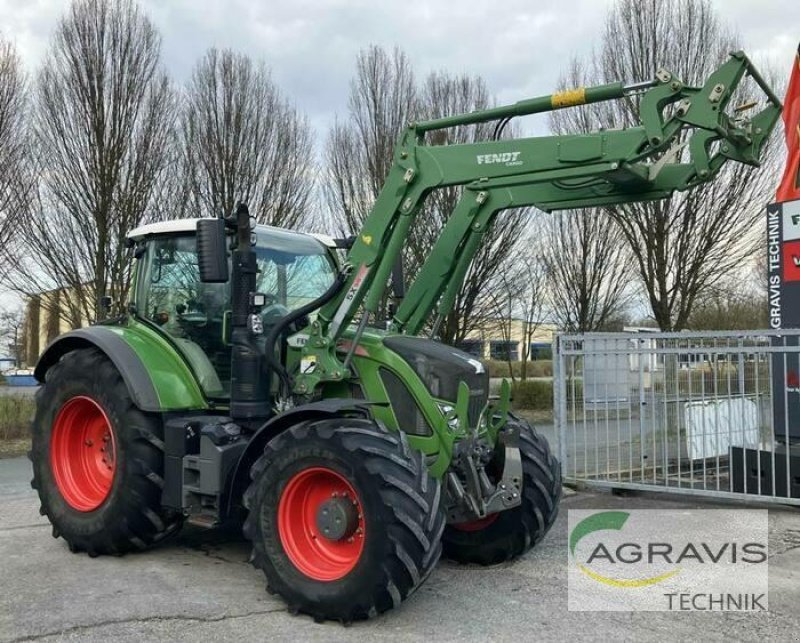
252	378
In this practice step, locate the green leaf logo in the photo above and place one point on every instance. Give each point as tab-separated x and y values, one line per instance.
603	521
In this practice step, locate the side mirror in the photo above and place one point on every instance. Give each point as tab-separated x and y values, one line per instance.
212	255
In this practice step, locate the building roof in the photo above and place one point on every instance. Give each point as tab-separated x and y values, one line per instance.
190	225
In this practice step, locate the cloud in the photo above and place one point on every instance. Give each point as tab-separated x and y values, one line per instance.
518	46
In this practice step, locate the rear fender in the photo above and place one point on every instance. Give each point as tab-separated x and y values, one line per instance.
156	376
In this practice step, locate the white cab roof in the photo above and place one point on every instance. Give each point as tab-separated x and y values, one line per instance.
190	225
164	227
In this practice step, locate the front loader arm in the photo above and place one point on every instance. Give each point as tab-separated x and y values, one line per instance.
552	172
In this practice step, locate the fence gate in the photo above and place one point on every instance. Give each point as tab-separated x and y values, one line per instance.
715	414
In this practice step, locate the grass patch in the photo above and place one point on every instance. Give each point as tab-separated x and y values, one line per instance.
14	448
16	412
544	416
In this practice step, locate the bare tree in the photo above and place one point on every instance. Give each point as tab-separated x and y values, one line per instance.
516	298
102	123
503	296
731	305
587	266
532	300
242	140
681	247
384	97
444	95
358	153
13	154
12	330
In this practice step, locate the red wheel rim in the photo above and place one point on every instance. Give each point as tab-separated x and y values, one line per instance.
83	453
314	554
476	525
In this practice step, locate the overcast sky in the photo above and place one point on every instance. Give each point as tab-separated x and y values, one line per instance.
518	46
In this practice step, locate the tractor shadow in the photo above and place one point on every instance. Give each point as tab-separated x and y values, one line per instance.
225	543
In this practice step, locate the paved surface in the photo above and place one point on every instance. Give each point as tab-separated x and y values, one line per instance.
201	588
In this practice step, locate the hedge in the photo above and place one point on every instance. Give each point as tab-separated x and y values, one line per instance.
537	395
532	394
538	368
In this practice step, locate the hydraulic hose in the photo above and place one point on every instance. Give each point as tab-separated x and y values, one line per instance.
272	339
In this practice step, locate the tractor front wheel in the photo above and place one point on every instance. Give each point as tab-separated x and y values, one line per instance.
502	536
344	519
98	461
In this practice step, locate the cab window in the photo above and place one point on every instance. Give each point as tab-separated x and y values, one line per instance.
293	271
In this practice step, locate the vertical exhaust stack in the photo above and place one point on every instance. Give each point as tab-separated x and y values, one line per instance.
249	381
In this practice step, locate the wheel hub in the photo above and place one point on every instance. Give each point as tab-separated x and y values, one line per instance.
337	518
321	523
83	453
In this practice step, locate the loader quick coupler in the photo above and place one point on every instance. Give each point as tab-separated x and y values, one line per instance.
471	494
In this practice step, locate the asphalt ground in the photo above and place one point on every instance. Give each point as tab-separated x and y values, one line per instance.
201	587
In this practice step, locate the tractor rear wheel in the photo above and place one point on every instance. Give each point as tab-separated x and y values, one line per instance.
502	536
344	518
98	461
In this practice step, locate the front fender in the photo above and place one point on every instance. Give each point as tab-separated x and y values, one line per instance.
313	411
156	375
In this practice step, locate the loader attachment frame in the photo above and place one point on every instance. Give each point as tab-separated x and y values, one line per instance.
551	172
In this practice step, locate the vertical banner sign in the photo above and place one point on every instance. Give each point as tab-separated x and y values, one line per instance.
783	248
783	261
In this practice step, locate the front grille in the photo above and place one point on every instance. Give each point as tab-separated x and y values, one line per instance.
405	408
476	403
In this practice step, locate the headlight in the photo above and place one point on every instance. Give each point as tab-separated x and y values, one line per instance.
448	410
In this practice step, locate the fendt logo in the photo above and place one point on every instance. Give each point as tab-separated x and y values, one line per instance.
674	560
506	158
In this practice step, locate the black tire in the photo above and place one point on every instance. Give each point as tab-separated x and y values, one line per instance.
517	530
401	505
131	516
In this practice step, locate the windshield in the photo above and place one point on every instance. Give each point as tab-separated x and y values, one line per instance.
294	269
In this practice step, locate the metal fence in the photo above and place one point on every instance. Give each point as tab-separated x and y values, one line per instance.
704	413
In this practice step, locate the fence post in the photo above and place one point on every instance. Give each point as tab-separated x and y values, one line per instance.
559	402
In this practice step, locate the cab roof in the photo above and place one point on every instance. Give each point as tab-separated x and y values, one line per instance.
190	225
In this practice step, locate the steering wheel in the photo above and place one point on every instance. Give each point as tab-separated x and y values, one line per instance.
273	313
192	323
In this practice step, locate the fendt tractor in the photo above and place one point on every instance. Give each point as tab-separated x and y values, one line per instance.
255	380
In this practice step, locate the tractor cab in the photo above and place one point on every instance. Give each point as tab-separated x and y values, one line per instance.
169	294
